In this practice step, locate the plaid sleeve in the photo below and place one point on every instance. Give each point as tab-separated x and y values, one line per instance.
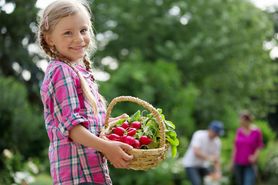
66	101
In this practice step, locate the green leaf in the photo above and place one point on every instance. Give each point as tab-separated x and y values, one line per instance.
169	124
151	128
135	117
174	151
173	142
120	121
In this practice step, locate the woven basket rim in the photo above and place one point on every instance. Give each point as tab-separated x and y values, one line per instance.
143	158
147	106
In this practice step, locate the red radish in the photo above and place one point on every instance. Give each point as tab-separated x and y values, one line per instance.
113	137
118	130
145	140
136	124
125	125
131	131
136	144
123	138
128	140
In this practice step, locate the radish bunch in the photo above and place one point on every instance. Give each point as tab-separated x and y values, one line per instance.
142	131
129	132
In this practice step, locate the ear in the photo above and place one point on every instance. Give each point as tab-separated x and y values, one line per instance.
49	39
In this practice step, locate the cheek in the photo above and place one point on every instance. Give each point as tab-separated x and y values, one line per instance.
59	41
87	39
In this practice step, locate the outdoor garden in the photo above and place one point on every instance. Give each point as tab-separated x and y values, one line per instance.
197	60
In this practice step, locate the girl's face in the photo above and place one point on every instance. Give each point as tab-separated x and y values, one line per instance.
71	36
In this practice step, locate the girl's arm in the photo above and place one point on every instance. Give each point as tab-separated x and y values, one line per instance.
114	151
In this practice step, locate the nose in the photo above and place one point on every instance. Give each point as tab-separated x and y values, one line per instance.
78	37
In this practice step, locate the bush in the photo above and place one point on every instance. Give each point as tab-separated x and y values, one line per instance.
169	172
19	121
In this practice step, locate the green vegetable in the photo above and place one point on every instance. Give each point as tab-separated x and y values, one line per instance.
150	128
135	117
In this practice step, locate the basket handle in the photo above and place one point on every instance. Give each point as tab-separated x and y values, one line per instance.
143	103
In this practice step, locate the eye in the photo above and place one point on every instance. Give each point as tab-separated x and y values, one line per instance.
84	31
67	33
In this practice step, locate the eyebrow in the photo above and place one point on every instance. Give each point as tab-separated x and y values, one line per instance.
71	28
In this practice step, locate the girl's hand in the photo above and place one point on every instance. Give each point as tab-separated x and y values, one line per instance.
116	153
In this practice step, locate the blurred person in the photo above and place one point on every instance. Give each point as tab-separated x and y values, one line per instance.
247	145
202	157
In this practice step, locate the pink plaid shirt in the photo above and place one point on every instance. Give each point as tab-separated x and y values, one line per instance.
65	107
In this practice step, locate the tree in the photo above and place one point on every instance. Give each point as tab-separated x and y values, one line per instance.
159	83
216	45
273	13
18	27
19	121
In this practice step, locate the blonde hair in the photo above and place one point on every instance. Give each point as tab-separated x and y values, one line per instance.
50	16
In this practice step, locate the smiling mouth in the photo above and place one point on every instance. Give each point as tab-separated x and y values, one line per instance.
77	48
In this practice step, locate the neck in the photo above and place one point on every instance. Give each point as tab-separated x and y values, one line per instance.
76	62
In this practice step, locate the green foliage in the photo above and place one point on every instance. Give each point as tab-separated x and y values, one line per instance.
216	45
42	179
218	53
11	162
167	173
17	170
159	84
183	111
269	151
268	134
198	60
18	29
19	120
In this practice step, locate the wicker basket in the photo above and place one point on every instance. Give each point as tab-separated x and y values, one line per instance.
143	159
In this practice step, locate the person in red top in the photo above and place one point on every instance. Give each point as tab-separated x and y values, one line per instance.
247	145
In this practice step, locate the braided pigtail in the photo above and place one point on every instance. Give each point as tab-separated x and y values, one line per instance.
87	92
88	65
44	45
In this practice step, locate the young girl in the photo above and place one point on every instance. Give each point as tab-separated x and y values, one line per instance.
74	111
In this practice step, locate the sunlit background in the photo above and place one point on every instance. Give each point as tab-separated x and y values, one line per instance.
198	60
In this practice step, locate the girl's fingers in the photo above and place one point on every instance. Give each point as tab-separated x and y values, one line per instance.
125	148
120	164
127	157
